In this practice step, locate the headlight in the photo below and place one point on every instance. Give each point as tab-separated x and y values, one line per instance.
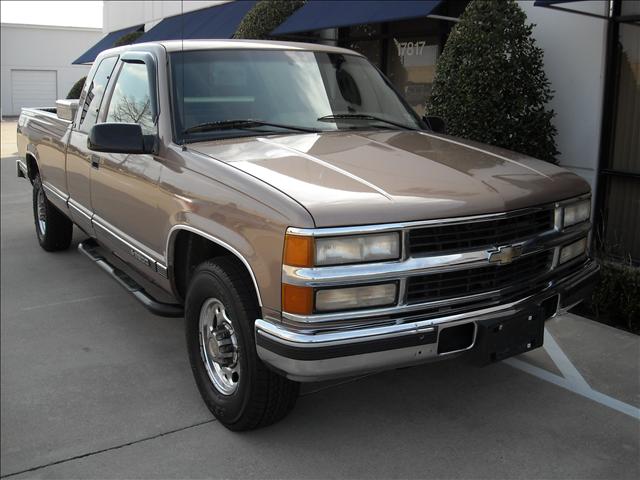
576	213
305	251
357	249
334	299
308	251
573	250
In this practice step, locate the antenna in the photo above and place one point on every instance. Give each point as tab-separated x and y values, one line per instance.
182	66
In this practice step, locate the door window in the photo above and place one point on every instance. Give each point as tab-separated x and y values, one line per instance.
131	99
94	94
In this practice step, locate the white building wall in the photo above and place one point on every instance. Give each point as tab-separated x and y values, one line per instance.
574	56
38	47
121	14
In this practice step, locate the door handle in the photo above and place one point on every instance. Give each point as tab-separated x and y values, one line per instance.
95	161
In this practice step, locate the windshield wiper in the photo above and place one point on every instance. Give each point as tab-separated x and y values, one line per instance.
362	116
242	124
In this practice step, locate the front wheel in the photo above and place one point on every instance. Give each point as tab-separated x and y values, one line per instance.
53	229
220	311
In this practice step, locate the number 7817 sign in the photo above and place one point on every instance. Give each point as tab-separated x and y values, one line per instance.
410	49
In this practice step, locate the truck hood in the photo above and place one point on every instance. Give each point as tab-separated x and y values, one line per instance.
347	178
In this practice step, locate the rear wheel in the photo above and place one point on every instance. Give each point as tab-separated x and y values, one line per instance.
220	312
53	229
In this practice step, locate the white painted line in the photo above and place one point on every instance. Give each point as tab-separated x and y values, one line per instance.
588	392
562	361
571	379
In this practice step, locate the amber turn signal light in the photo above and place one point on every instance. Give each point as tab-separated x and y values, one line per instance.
298	251
298	300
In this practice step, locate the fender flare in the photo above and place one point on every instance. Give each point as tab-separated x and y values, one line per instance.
31	152
173	233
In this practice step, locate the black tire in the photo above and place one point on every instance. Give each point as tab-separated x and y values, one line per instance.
57	231
262	397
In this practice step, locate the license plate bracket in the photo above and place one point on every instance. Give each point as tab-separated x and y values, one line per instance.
502	338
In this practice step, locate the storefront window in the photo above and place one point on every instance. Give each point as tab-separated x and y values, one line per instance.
411	65
372	49
405	50
365	30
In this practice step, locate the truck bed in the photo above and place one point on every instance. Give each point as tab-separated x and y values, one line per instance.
38	124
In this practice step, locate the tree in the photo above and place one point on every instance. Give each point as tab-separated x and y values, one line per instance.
490	85
127	39
265	16
75	91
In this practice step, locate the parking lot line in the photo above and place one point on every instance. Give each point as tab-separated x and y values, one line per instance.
571	378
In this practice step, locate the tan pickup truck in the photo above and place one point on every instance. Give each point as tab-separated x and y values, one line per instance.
306	223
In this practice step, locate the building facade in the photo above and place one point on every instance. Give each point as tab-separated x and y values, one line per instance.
36	64
591	50
122	14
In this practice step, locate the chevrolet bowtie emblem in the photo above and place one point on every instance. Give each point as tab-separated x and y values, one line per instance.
504	255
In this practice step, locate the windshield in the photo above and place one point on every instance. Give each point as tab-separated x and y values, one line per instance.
214	91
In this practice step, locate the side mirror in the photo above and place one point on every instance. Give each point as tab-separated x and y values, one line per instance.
66	109
118	138
435	124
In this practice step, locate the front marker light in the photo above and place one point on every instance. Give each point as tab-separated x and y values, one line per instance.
296	299
573	250
357	248
298	251
576	213
335	299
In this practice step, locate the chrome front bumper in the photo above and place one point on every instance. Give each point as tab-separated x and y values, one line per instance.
311	356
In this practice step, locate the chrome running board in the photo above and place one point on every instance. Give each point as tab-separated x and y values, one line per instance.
90	247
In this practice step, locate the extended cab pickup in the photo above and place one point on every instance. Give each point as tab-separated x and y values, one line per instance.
303	219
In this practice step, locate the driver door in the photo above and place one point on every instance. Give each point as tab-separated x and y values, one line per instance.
124	187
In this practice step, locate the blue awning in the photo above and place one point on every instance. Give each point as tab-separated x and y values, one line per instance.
219	21
107	42
319	14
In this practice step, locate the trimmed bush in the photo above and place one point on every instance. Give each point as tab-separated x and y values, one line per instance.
264	17
127	39
490	85
74	93
616	299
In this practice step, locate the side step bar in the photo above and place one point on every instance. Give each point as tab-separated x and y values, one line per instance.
89	248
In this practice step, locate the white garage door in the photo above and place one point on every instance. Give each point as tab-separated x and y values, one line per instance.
33	88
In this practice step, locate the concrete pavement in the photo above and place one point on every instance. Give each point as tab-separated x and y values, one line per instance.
94	386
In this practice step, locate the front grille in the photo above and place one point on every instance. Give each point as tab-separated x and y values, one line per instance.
459	283
474	235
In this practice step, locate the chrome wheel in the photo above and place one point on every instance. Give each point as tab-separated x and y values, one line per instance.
219	346
42	211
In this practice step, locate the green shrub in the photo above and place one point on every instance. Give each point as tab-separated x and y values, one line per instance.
265	16
617	295
74	93
127	39
490	83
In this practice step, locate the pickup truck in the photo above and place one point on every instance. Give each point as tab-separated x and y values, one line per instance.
302	218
